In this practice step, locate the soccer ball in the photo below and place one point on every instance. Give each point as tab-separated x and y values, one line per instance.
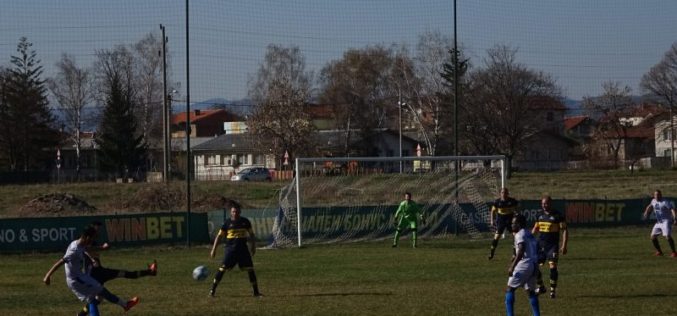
200	273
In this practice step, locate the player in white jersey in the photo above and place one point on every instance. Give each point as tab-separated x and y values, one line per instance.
82	284
523	269
665	218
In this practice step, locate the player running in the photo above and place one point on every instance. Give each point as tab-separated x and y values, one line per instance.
83	285
237	230
524	266
665	218
407	215
504	208
549	225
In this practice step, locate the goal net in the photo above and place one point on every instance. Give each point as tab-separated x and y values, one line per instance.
351	199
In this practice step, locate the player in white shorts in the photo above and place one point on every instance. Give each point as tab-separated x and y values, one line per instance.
82	284
665	218
524	266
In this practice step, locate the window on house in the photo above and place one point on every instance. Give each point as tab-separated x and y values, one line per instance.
259	160
550	116
212	160
667	135
666	153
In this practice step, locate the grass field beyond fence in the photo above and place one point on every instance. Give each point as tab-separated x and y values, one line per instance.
607	272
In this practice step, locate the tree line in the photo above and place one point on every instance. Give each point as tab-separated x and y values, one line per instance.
365	87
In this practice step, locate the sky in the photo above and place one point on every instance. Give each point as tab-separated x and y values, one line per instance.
581	43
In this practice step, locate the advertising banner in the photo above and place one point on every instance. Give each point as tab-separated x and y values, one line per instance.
55	233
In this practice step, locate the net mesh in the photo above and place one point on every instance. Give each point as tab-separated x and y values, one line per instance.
357	202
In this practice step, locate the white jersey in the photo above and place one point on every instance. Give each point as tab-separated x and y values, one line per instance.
530	245
526	269
74	257
663	210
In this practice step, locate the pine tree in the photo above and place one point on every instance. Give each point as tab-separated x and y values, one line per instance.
28	138
121	149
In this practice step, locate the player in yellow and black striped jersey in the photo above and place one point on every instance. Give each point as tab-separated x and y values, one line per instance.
549	225
505	208
238	231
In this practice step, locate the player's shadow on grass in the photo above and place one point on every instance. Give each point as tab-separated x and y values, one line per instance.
345	294
626	296
597	258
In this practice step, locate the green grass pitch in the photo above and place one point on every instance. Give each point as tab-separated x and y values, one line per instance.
607	272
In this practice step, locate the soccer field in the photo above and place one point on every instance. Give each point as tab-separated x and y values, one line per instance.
607	272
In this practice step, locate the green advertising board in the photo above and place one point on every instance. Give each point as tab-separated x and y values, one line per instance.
55	233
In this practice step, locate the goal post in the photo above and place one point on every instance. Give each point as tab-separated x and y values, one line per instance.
338	199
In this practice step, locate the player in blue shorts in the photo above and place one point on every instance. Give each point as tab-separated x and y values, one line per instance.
83	285
505	208
523	269
549	225
237	230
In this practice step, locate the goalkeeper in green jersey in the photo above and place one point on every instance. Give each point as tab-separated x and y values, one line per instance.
407	215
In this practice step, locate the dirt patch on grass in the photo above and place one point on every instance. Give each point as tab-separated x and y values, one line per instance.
56	204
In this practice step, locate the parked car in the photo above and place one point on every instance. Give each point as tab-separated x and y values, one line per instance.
252	174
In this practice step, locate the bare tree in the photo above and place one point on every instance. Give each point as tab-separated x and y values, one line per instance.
661	82
148	82
425	90
499	114
611	107
73	91
281	90
361	87
113	64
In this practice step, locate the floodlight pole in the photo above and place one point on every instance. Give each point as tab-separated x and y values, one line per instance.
188	131
458	163
165	106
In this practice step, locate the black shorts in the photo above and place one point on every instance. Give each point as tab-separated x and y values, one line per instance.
239	256
103	275
503	222
548	252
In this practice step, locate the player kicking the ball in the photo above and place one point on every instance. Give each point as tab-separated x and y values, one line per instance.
237	230
524	267
83	285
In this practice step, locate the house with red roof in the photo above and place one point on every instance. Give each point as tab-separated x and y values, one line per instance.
203	123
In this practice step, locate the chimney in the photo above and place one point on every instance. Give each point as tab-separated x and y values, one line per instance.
197	112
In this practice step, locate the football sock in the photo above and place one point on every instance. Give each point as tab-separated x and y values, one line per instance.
218	277
533	301
654	241
553	277
494	244
85	309
93	308
252	280
397	237
509	302
672	243
414	237
135	274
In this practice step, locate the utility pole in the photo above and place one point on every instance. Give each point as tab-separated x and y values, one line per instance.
165	107
458	162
